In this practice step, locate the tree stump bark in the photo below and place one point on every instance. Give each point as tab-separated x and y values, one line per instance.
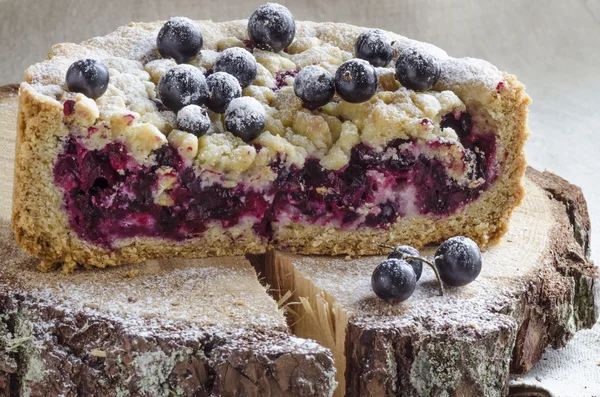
163	328
536	290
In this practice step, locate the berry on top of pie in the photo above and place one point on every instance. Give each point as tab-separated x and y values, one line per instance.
192	138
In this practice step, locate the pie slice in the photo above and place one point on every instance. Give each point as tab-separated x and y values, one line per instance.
118	179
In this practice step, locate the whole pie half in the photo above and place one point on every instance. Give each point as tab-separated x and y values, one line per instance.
114	180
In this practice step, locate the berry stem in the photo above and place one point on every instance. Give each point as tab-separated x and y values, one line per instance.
386	246
435	270
418	258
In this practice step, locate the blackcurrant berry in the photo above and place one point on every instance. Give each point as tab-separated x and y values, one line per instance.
417	70
245	118
356	81
314	85
393	280
179	38
89	77
222	89
193	119
182	85
374	47
239	63
271	27
458	261
402	251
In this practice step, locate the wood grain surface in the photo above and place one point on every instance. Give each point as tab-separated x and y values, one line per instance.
8	128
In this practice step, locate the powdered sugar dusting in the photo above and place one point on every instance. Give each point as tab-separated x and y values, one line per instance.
246	104
184	28
245	109
272	17
127	50
218	295
214	308
271	10
135	69
226	80
373	41
226	84
193	118
137	42
311	75
180	76
238	62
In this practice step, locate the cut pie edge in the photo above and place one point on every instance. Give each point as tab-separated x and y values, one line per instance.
485	220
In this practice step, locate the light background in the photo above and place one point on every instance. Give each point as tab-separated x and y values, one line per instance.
553	46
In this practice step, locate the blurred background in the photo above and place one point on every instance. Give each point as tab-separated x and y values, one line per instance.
553	46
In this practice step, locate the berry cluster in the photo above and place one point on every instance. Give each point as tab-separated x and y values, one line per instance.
356	80
184	89
457	262
184	85
271	28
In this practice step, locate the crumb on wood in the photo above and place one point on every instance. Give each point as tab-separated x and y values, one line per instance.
45	266
131	273
98	353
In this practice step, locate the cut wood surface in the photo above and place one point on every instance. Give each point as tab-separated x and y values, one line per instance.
162	328
536	290
179	327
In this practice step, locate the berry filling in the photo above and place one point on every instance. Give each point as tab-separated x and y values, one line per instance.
281	78
109	196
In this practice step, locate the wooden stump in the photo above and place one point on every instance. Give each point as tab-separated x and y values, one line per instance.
535	290
162	328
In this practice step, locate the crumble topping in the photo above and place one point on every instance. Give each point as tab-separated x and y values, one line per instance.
185	143
225	153
84	112
130	112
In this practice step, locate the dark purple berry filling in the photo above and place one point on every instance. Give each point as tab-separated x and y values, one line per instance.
249	45
69	107
280	78
109	196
